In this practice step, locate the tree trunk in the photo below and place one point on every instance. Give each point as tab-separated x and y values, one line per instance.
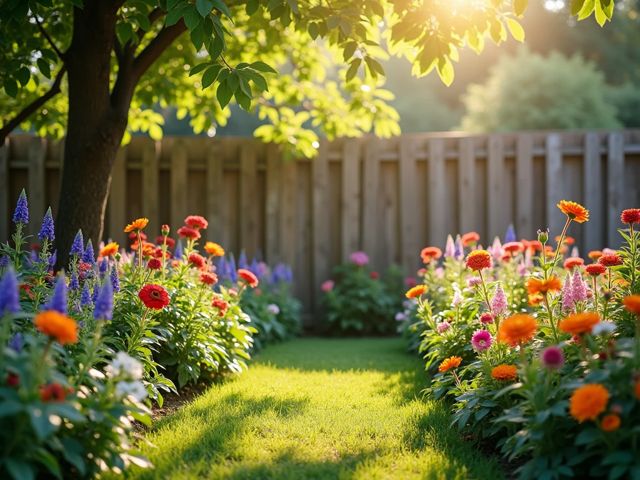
94	129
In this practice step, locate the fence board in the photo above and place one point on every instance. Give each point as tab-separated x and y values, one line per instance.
214	172
370	196
36	187
350	198
524	186
179	184
288	208
554	192
249	198
408	188
118	197
320	221
466	184
150	174
593	194
5	212
498	220
272	203
437	192
615	186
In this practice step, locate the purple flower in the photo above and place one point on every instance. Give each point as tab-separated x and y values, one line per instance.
510	235
578	287
16	342
459	249
242	260
499	301
103	309
96	292
74	284
179	251
77	247
88	256
450	247
21	213
443	326
53	258
481	340
58	300
552	357
115	279
85	296
473	281
457	296
567	294
47	230
4	261
104	266
233	271
359	258
9	293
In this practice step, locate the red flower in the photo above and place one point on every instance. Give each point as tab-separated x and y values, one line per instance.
154	264
513	247
572	262
248	277
13	380
164	230
374	275
428	254
197	260
170	241
470	238
188	232
196	221
595	269
53	392
221	304
154	296
610	260
478	260
630	216
208	278
134	236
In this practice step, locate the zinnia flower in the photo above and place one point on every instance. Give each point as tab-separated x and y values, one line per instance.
214	249
594	255
517	329
248	277
470	238
573	262
610	260
428	254
221	304
196	221
136	225
513	247
536	285
595	269
552	357
481	340
168	241
154	296
504	373
579	323
574	211
208	278
53	392
359	258
416	291
154	264
632	303
188	232
610	422
109	250
197	260
588	401
449	364
57	326
486	318
630	216
478	260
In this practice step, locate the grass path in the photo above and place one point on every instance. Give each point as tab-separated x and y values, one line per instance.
317	409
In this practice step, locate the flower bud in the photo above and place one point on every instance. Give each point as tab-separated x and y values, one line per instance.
543	236
164	230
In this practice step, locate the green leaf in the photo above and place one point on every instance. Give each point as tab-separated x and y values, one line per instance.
49	461
210	75
313	30
204	7
19	470
349	50
10	407
516	29
23	76
576	6
258	80
445	71
11	87
175	15
44	67
601	17
353	69
124	31
220	5
192	18
198	68
519	6
224	94
244	101
252	7
587	9
262	67
374	67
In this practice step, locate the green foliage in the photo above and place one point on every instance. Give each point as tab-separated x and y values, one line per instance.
529	91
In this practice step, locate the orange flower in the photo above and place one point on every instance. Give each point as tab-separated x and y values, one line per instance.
449	364
595	254
573	262
579	323
504	373
610	422
416	291
428	254
574	211
57	326
214	249
517	329
470	238
632	303
109	250
610	260
513	247
588	401
536	285
595	269
478	260
535	299
136	225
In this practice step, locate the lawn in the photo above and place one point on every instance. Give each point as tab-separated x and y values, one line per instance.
321	409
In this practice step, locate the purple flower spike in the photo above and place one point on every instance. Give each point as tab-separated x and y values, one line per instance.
499	301
115	280
103	309
510	235
9	293
47	230
88	256
74	284
21	213
450	247
85	296
58	300
77	247
579	289
104	266
16	342
567	294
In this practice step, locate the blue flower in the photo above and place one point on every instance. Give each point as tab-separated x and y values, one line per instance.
179	252
104	266
58	300
89	256
96	292
74	284
103	309
255	268
9	293
4	261
21	213
47	230
242	260
16	342
85	296
115	280
53	258
510	235
232	270
77	247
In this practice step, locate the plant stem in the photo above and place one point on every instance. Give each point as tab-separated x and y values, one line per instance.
560	242
551	322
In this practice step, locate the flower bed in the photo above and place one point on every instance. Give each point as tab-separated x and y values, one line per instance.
86	353
537	350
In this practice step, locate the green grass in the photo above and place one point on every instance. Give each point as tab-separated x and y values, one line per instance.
317	409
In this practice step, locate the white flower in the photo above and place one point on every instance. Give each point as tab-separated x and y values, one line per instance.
604	328
134	389
400	316
123	365
273	309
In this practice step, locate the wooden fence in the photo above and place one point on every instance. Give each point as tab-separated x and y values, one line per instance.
386	197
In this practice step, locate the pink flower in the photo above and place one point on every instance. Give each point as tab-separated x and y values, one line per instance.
486	318
359	258
567	294
499	301
481	340
473	281
443	327
552	357
450	248
578	287
410	282
327	286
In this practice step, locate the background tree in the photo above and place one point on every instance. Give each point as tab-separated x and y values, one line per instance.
115	60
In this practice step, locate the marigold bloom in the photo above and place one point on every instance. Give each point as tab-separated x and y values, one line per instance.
248	277
190	233
595	269
610	260
208	278
630	216
470	238
517	329
574	211
579	323
197	260
572	262
504	373
595	255
416	291
214	249
136	225
57	326
537	285
449	364
478	260
196	221
588	401
53	392
221	304
428	254
610	422
632	303
154	296
513	247
109	250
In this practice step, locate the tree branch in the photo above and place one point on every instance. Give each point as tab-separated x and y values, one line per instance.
154	15
48	38
156	47
30	109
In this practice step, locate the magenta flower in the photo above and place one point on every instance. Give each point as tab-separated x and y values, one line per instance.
499	301
359	258
443	327
481	340
552	358
327	286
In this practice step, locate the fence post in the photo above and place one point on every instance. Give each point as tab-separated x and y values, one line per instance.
593	193
350	197
437	193
36	153
320	219
554	183
615	186
466	184
408	189
524	186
